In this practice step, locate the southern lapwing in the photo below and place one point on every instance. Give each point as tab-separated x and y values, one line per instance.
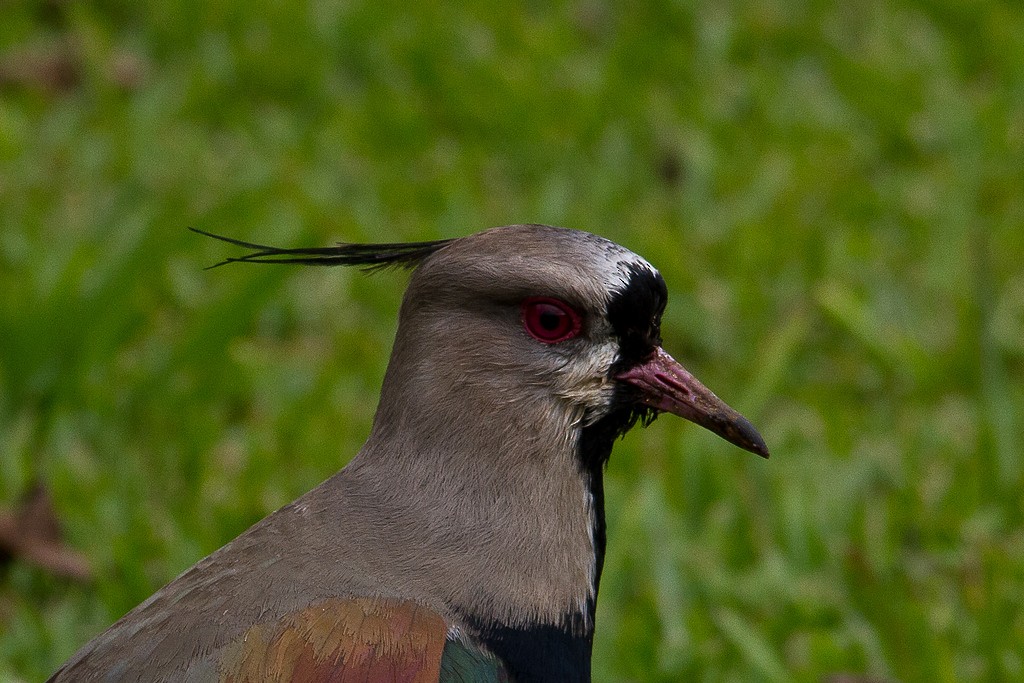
464	542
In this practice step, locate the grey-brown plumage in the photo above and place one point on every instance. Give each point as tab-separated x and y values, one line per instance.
475	506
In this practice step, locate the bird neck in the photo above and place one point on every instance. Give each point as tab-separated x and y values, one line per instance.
507	500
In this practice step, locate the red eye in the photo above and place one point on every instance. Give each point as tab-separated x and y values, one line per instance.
550	320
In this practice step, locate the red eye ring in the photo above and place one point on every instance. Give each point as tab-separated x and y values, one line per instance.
549	320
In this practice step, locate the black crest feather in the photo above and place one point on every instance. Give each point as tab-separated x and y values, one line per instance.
369	256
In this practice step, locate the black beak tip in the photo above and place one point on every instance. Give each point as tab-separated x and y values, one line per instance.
762	450
748	438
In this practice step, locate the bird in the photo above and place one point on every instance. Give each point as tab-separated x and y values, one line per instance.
465	540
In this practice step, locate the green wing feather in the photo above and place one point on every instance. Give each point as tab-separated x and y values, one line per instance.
462	663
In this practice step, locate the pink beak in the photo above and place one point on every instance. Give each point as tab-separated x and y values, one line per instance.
667	386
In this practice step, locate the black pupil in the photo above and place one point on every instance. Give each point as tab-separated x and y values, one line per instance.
550	318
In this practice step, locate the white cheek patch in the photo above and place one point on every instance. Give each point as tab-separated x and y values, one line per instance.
584	379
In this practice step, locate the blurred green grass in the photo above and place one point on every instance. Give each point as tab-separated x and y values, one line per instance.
833	192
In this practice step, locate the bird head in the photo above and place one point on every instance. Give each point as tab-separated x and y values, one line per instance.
535	313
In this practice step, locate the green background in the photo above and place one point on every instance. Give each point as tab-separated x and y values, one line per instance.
834	192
